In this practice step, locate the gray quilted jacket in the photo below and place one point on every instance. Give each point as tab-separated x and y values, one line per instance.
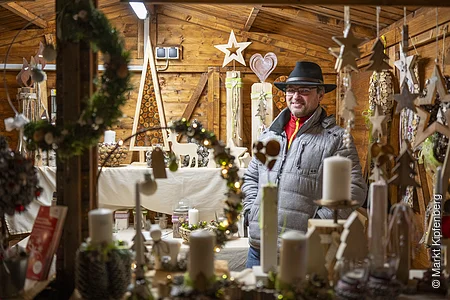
298	173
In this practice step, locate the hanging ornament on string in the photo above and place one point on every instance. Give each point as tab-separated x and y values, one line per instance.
378	59
405	64
405	99
377	121
404	171
348	43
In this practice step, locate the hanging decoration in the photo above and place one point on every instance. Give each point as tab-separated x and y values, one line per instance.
233	50
379	61
377	121
261	94
425	129
381	91
235	115
405	99
405	66
345	63
404	171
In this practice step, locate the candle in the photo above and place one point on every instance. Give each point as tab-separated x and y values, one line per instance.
201	254
193	216
293	257
269	230
174	249
138	242
336	178
100	226
378	199
110	137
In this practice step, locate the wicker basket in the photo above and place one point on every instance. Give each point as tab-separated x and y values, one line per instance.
116	159
184	233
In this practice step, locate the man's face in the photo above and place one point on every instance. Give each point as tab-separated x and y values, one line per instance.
302	101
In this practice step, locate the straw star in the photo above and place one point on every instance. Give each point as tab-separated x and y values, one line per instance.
405	99
233	50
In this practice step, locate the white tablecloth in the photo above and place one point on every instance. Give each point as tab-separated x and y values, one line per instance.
202	188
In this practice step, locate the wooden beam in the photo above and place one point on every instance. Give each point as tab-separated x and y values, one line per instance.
312	52
195	96
303	2
334	25
422	20
251	18
25	14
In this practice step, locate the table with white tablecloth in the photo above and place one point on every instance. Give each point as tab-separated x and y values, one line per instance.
202	188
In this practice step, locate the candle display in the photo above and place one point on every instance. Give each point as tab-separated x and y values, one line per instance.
336	178
378	199
110	137
293	257
193	216
201	254
269	230
101	226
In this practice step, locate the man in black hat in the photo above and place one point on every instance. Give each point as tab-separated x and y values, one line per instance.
307	136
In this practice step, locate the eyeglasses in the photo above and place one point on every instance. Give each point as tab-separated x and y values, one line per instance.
304	91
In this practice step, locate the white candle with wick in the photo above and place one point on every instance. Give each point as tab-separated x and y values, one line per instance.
293	257
110	137
201	254
337	172
101	226
378	199
269	230
193	216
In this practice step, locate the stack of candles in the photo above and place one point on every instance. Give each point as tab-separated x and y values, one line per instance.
378	203
193	216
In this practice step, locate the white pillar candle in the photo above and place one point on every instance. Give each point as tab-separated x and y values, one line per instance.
100	226
110	137
193	216
138	241
378	201
174	249
293	257
269	230
337	178
201	254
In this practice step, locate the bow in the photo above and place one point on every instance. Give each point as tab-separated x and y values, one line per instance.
160	248
17	122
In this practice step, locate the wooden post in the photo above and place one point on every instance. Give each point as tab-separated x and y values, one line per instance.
76	176
214	101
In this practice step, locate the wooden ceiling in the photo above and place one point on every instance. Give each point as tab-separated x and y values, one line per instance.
310	26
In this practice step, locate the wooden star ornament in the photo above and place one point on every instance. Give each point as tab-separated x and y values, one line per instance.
405	99
405	65
349	50
434	85
233	50
424	130
377	122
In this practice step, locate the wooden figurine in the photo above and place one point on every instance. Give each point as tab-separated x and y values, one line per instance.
316	254
353	244
183	149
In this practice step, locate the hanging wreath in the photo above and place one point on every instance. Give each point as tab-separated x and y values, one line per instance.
83	22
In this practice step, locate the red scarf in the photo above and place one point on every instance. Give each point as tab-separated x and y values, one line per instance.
293	126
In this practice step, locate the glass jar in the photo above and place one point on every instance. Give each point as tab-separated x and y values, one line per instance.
179	216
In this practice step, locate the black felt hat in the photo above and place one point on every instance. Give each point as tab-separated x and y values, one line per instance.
305	73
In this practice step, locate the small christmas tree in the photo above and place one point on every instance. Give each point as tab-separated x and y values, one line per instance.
378	58
404	171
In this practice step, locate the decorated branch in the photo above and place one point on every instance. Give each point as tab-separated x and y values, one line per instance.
82	22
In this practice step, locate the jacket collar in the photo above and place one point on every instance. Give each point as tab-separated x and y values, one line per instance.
318	117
